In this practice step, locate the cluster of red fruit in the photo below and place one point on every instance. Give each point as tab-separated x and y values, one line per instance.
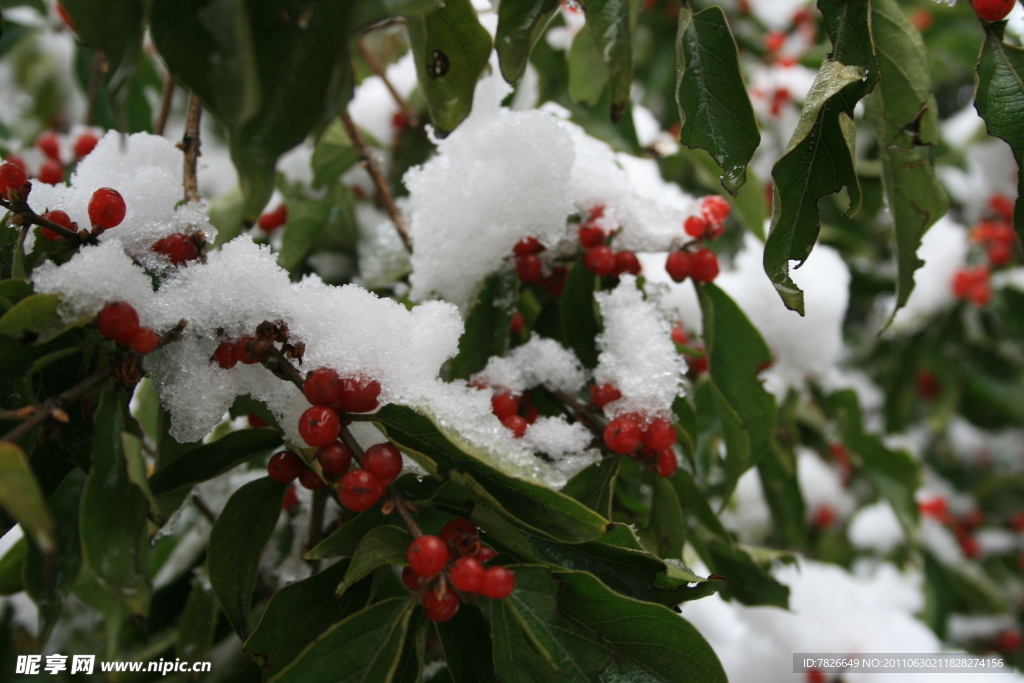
529	267
506	407
997	236
963	527
455	557
702	264
119	322
650	444
697	364
600	258
51	171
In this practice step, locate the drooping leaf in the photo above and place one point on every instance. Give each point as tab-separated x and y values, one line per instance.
382	546
487	326
198	622
21	498
236	544
714	107
209	460
612	24
588	73
521	23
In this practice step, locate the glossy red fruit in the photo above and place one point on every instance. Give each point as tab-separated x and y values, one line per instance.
590	235
58	217
516	423
715	209
12	177
20	163
600	260
999	253
427	555
467	574
457	530
486	553
107	208
284	467
384	462
697	365
993	10
774	40
527	246
704	266
596	211
255	422
528	268
144	341
359	490
603	394
666	463
497	583
85	144
411	579
275	219
937	508
516	323
51	172
290	500
226	354
623	435
659	435
319	426
627	262
310	480
323	387
695	226
49	144
504	405
679	335
179	248
359	395
118	321
1001	205
335	459
244	350
440	610
678	265
823	517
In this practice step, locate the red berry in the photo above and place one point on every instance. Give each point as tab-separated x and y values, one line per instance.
467	574
815	676
118	321
384	462
1008	641
600	260
527	246
603	394
255	422
999	253
695	226
335	459
678	265
981	293
517	424
590	235
596	211
715	209
399	121
411	579
61	219
427	556
359	395
497	583
85	143
49	145
457	530
310	480
936	508
627	262
666	463
774	40
528	268
970	546
51	172
245	352
226	354
179	248
319	426
823	516
659	435
275	219
143	341
504	405
359	490
992	10
486	553
555	281
12	177
290	500
323	387
106	208
440	610
64	15
679	335
1001	205
697	365
516	324
284	467
704	267
623	435
928	386
1017	521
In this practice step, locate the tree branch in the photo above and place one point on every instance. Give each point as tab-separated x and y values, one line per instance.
378	69
166	99
190	146
22	214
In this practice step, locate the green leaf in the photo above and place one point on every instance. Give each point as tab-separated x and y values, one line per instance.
735	353
467	647
298	613
382	546
661	644
15	289
904	115
777	470
612	23
21	498
487	326
714	107
594	485
667	524
306	219
333	155
344	540
112	519
819	159
450	49
236	543
748	581
696	503
227	214
579	320
198	622
11	565
33	317
678	574
999	99
521	23
588	74
210	460
363	648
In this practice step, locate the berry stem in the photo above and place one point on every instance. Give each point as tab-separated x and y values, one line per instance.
166	98
370	163
190	146
378	69
22	214
275	361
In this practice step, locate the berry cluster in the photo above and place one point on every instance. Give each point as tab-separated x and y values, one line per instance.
963	527
119	322
454	558
530	268
179	248
507	407
700	265
995	234
599	258
650	444
249	349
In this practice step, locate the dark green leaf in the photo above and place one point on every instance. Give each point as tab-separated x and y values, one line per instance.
227	214
15	289
466	642
714	108
777	470
450	48
236	543
594	485
21	498
520	24
588	74
667	528
579	321
344	540
697	504
382	546
612	23
333	155
487	326
198	622
35	315
748	582
212	459
678	574
11	567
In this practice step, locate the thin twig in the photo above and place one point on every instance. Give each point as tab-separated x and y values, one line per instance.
166	99
21	214
370	163
190	146
399	504
411	116
275	361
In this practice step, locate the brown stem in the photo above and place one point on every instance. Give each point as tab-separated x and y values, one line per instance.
166	99
399	503
190	146
377	68
370	163
275	361
21	214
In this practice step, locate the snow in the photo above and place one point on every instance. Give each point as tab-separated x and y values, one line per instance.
875	527
539	361
944	251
